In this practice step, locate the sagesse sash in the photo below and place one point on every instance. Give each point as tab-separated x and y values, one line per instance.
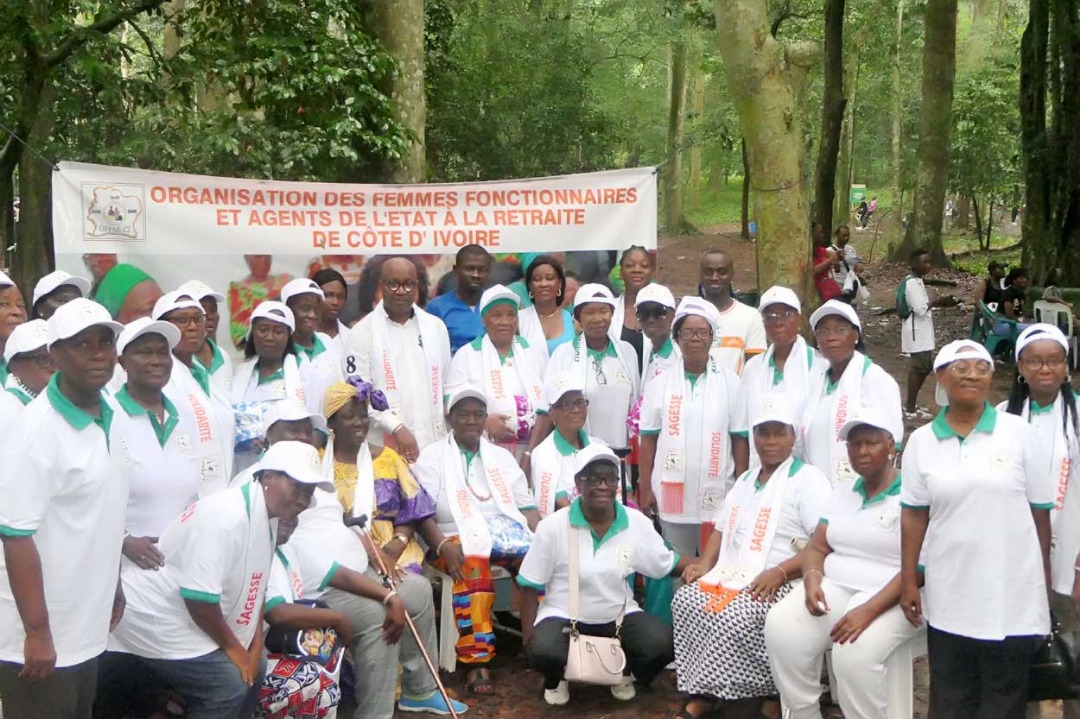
499	400
384	375
845	399
471	524
548	469
213	434
677	440
243	615
1065	445
759	513
247	377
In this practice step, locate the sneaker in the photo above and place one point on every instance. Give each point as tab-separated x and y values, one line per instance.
431	704
559	696
624	691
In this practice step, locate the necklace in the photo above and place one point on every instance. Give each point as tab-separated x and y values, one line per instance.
548	317
19	383
472	490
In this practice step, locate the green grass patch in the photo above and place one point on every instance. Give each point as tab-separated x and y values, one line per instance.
720	207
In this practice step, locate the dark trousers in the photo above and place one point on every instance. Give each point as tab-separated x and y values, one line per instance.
646	640
67	693
978	678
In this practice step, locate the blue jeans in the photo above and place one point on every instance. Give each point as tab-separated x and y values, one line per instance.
211	685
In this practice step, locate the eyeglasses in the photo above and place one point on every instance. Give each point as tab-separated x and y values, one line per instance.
652	313
835	331
43	360
399	287
1054	363
580	403
702	333
598	366
600	480
188	320
778	315
978	368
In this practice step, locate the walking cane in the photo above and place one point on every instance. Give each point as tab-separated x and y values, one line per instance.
622	453
360	525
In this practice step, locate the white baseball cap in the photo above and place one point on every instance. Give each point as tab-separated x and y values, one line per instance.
1038	332
6	281
961	350
276	312
299	460
655	292
778	295
865	416
199	290
838	309
496	293
175	300
563	382
78	315
27	337
300	286
775	408
55	280
292	410
594	452
698	307
465	391
147	326
594	292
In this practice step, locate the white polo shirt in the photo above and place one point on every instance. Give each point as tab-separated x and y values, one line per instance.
220	369
322	544
160	462
286	585
741	330
323	369
984	573
917	330
630	545
611	387
864	535
61	486
218	551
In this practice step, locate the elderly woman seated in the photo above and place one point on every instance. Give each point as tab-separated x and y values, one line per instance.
611	542
554	460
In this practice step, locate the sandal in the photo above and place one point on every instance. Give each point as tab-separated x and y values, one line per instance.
478	682
685	713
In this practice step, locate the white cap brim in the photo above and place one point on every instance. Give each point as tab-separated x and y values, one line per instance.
465	392
146	326
595	452
835	308
52	282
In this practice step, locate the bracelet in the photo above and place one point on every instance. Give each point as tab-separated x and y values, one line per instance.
1077	567
813	571
402	538
389	595
777	566
527	453
438	549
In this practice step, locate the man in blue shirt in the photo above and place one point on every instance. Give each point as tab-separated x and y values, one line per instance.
460	310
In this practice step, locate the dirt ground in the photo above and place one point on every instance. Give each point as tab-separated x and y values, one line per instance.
518	689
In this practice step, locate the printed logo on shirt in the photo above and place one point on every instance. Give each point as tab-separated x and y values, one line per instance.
622	377
673	461
252	599
183	443
887	518
710	500
209	469
624	556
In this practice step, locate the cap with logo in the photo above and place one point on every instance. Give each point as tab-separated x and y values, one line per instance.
77	316
594	292
199	290
55	280
275	312
775	408
778	295
172	301
698	307
657	293
563	383
300	286
299	460
27	337
835	308
147	326
291	410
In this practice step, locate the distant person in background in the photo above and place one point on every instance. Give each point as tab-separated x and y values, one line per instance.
210	356
863	213
573	284
740	333
1014	305
847	262
637	269
870	210
917	333
128	293
991	289
98	264
245	294
335	293
824	259
460	310
55	289
545	321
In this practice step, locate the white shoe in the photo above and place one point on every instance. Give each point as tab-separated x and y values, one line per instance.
624	691
559	696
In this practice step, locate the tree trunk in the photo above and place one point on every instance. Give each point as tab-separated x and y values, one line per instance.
897	120
832	114
745	194
1039	252
33	256
978	219
697	99
989	224
935	125
763	79
845	172
674	221
399	26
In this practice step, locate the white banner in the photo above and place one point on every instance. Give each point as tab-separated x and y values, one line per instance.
246	238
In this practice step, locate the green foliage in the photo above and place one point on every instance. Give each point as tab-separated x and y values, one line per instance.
986	127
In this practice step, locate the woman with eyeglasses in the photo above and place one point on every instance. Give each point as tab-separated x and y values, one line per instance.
545	323
613	542
977	495
12	314
655	308
636	268
694	438
789	363
554	459
608	367
850	381
317	351
1042	395
30	366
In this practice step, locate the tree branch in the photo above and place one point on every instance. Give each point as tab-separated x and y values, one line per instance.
102	25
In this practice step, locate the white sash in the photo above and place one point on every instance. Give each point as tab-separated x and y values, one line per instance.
710	441
243	616
845	401
386	359
549	470
500	401
736	567
1064	447
212	427
364	493
471	524
247	378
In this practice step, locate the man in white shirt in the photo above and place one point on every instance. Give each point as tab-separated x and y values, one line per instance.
405	352
740	333
62	506
917	333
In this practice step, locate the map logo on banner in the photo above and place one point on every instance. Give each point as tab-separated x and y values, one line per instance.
115	212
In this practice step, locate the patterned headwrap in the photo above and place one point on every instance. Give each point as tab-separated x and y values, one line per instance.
340	394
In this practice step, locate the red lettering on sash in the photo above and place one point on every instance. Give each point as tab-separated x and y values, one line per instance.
497	383
761	528
1062	484
202	419
388	372
841	415
714	454
252	599
673	415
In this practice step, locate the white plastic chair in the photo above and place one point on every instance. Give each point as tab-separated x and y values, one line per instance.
899	675
448	632
1061	316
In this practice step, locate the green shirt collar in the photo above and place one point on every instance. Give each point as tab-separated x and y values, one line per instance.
608	351
665	349
796	465
217	358
3	370
565	448
202	376
75	416
1034	408
134	409
692	378
469	456
891	491
577	519
316	349
23	397
986	423
279	375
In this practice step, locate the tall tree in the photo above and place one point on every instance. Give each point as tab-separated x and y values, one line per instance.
764	77
833	103
935	124
671	189
897	119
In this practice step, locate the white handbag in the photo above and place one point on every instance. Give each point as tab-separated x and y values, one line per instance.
591	660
